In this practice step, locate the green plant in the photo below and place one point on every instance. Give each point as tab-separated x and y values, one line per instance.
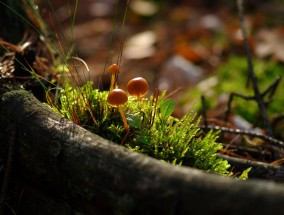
153	131
231	76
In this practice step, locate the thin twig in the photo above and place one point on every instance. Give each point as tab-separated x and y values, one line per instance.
230	100
252	76
272	88
259	169
245	132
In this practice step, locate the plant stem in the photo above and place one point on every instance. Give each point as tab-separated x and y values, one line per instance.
112	82
251	74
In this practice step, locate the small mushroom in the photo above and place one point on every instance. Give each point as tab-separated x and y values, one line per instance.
137	87
114	70
116	98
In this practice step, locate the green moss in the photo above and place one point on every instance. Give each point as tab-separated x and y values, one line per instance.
153	131
232	77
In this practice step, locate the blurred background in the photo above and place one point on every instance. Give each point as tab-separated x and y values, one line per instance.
189	48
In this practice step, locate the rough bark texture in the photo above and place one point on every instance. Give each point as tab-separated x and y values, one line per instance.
96	176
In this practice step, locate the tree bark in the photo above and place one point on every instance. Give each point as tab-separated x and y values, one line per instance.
96	176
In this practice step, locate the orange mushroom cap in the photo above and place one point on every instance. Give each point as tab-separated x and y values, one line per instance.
117	97
137	87
113	69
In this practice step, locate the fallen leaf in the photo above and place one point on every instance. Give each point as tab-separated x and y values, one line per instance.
140	45
270	43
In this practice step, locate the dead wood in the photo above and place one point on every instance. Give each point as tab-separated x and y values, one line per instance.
96	176
259	169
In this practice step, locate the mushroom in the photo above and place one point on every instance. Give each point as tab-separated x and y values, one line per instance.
114	70
137	87
116	98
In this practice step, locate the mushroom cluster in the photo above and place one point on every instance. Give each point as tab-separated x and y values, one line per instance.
117	97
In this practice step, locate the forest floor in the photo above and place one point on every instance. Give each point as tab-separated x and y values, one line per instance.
190	50
183	47
173	45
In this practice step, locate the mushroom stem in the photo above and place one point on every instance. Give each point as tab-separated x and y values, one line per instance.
123	118
112	82
116	98
114	70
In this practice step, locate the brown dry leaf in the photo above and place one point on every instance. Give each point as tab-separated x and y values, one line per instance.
144	8
140	45
195	53
178	72
188	52
270	43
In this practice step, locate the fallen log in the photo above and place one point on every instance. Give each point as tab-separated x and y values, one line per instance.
95	176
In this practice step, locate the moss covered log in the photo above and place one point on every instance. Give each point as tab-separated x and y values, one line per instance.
95	176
